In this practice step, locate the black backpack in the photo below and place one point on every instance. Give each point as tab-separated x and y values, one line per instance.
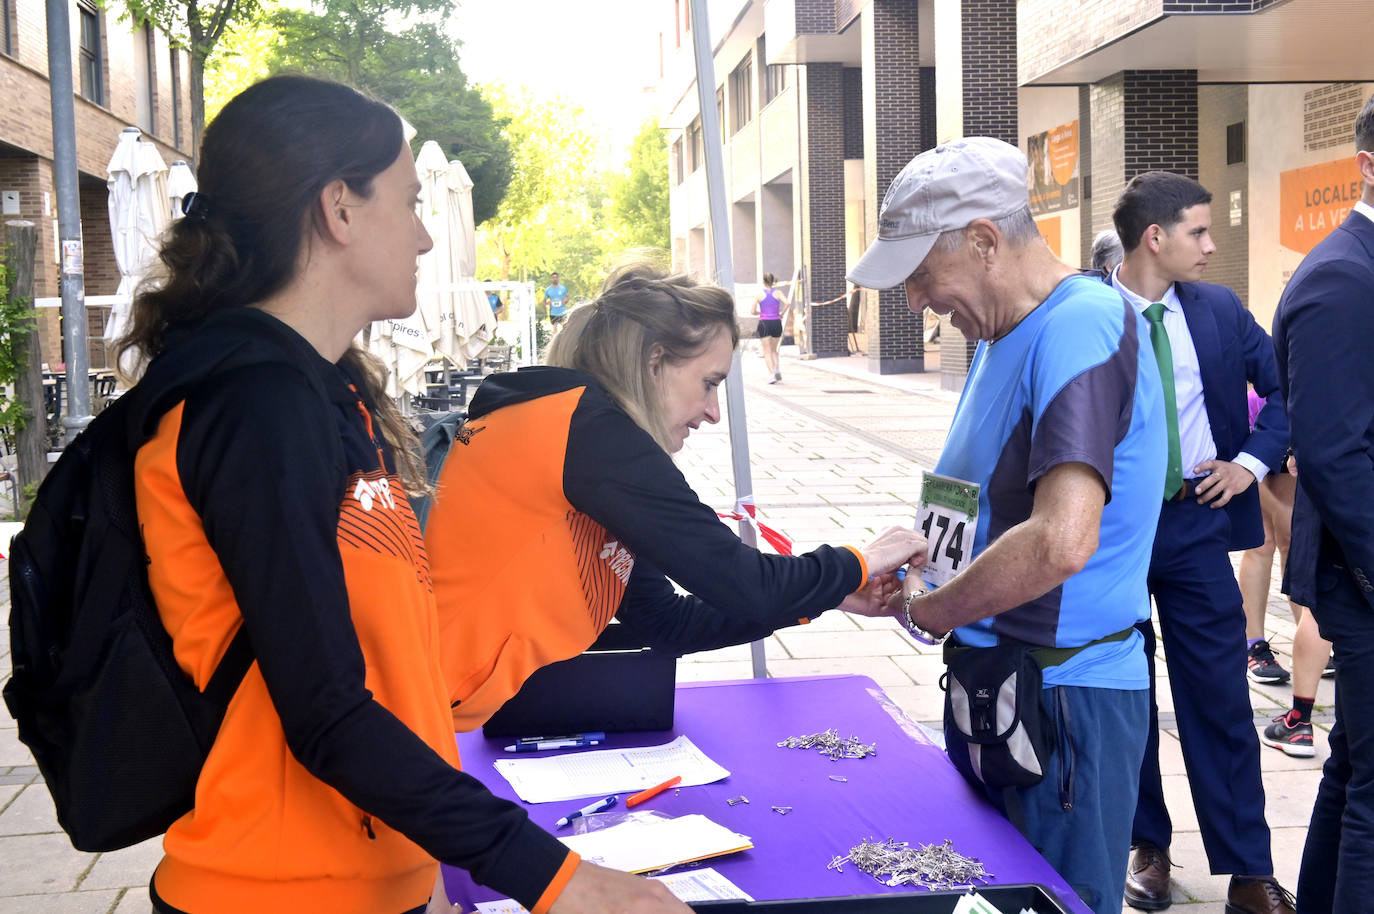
119	732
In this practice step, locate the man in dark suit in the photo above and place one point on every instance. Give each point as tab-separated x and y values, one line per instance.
1208	346
1324	337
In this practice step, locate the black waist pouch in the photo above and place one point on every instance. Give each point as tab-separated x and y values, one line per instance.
996	730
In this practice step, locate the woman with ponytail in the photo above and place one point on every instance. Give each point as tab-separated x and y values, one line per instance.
567	471
271	491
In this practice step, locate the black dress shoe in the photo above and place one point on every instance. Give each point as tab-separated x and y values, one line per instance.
1257	895
1147	879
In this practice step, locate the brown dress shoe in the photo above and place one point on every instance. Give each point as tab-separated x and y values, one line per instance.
1147	879
1257	895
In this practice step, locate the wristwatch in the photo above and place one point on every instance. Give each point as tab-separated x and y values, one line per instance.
920	634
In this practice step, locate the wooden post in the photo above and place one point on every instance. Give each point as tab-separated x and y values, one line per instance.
21	246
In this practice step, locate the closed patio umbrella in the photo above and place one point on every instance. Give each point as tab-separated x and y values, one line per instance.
180	182
474	324
139	214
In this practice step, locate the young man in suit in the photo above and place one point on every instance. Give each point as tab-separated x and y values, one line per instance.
1324	337
1208	346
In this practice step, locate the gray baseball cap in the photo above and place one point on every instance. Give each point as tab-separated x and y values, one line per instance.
941	190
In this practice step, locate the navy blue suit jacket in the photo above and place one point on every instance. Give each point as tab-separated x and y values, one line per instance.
1233	350
1324	339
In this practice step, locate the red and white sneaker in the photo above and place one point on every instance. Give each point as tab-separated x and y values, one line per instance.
1290	735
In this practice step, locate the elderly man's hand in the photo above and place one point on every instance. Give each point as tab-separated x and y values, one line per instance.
1227	480
895	547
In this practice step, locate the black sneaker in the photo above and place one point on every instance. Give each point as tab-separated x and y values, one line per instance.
1263	667
1330	671
1290	735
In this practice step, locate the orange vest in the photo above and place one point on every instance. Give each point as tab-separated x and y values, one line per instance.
265	835
526	579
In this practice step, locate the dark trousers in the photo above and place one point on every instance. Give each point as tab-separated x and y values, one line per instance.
1338	860
1203	625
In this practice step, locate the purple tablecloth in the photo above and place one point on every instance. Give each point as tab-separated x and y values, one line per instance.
908	790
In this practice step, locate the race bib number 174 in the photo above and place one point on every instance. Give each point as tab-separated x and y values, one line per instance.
948	519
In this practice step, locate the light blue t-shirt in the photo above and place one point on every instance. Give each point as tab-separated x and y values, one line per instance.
558	298
1075	381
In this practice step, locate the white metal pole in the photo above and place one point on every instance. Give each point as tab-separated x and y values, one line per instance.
725	273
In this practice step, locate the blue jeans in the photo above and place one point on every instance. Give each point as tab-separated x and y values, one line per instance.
1079	816
1338	859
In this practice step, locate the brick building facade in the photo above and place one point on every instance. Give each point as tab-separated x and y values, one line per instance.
123	76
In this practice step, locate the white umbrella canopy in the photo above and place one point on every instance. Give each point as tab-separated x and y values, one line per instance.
139	214
438	267
474	324
180	182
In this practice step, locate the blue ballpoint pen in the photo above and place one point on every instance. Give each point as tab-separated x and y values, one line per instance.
575	742
598	806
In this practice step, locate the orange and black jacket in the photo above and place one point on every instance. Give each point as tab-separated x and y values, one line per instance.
555	512
267	501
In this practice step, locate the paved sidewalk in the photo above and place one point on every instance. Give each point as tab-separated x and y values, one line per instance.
835	456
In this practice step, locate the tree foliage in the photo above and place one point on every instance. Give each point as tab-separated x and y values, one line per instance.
196	26
562	214
397	51
641	192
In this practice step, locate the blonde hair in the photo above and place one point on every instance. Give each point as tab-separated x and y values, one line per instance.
643	318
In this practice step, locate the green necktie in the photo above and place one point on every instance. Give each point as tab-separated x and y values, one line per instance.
1159	339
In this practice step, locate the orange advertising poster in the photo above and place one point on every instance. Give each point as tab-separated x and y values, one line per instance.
1314	200
1053	232
1052	180
1064	151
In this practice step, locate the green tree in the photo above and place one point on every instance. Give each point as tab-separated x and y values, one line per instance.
242	58
414	68
640	194
553	216
197	27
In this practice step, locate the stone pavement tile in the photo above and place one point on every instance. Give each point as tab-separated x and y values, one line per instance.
1289	797
831	621
12	752
7	793
711	672
31	813
771	649
880	669
881	623
1179	800
921	703
69	903
842	644
128	868
135	901
40	864
923	669
1191	875
1170	753
1270	699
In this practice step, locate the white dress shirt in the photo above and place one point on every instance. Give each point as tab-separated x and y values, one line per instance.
1195	440
1364	209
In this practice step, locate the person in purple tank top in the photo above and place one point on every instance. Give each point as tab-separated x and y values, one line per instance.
770	306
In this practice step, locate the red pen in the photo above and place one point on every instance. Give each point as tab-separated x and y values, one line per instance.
651	792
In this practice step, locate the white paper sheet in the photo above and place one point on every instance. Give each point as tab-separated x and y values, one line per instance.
644	845
704	884
607	771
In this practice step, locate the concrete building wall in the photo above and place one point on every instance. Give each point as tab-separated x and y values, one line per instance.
1218	107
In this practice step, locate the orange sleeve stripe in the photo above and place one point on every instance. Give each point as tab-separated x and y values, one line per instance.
559	883
863	566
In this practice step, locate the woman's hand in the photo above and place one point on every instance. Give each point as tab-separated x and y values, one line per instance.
895	547
597	890
875	598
